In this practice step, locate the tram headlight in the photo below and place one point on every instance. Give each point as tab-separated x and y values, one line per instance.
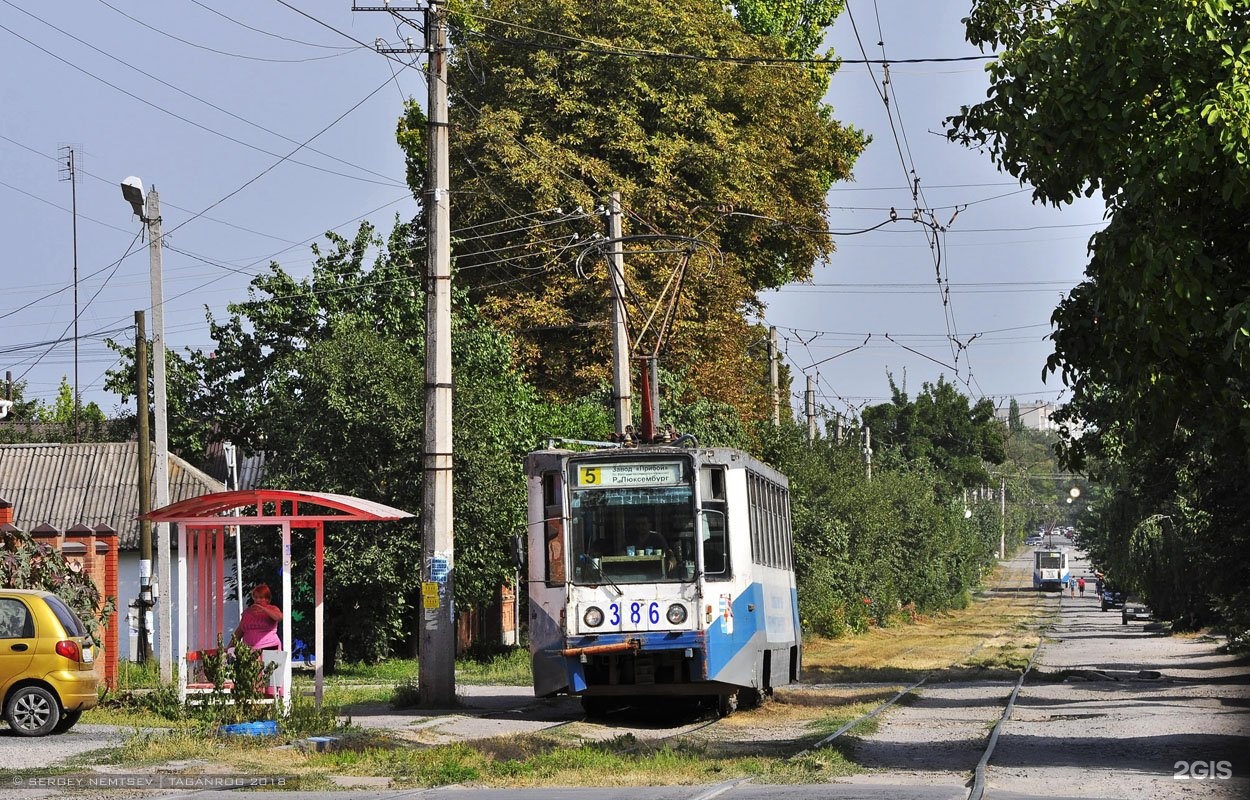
593	617
676	614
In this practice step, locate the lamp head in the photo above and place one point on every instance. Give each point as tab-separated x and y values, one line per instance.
132	190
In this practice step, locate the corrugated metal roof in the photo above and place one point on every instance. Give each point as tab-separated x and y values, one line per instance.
92	483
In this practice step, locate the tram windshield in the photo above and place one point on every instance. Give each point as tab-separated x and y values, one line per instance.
632	523
1049	560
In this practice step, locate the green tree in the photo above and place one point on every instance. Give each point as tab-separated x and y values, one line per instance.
1148	104
865	551
1014	423
734	154
189	432
940	429
323	375
36	421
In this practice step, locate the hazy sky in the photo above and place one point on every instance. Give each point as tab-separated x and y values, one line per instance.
208	99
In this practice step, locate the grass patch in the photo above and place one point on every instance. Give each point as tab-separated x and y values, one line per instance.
509	668
995	634
755	744
537	760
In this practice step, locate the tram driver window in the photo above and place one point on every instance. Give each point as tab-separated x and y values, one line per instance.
715	545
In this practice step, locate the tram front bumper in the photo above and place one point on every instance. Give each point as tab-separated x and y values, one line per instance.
650	662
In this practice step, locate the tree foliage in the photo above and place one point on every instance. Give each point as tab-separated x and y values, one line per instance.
34	421
940	429
324	376
868	551
29	564
1147	103
735	154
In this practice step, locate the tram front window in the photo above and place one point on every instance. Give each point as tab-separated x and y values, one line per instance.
1049	561
637	534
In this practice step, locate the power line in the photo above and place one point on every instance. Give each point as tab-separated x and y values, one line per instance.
188	43
606	49
177	116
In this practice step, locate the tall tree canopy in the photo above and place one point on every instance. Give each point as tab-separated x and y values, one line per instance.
941	430
556	103
1147	103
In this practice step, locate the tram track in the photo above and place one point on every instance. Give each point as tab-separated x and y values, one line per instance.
651	732
1019	597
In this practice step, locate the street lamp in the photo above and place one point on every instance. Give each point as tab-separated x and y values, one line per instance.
148	210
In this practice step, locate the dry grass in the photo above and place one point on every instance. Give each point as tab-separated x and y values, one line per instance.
997	632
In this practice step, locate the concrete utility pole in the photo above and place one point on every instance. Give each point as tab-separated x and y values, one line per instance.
144	601
809	398
71	172
437	655
621	395
149	210
772	374
868	450
1002	518
160	453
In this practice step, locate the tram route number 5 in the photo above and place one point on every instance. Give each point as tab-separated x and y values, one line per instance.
589	476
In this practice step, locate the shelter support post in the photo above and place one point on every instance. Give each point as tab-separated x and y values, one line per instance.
182	610
319	611
287	596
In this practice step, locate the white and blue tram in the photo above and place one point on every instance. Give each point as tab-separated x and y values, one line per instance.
701	603
1050	569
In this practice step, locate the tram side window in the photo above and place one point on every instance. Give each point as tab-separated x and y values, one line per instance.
769	507
553	526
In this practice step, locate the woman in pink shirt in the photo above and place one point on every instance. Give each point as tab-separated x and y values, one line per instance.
258	627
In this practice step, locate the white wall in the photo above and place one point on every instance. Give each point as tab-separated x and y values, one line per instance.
128	591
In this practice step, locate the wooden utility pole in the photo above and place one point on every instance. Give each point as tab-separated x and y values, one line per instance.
621	395
437	656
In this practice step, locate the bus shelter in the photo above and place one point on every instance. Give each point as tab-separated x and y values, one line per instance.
201	524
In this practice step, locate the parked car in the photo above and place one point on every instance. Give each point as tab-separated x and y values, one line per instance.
1134	609
1033	541
47	671
1112	598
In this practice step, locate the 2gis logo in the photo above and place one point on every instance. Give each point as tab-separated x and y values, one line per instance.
1202	770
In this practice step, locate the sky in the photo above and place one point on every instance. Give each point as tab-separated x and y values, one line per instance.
209	102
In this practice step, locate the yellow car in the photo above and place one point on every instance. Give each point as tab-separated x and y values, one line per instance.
47	670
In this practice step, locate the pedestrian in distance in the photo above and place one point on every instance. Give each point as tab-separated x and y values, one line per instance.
1080	585
1071	587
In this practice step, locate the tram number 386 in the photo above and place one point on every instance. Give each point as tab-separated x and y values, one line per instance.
634	613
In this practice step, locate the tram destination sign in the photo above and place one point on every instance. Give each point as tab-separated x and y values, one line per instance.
640	473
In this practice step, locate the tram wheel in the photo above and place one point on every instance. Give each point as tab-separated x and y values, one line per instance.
726	704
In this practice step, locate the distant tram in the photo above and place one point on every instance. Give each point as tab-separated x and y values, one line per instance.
1050	569
660	571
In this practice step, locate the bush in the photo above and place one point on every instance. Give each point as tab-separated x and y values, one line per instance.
27	564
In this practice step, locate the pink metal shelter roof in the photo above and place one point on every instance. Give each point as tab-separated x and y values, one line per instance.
275	505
